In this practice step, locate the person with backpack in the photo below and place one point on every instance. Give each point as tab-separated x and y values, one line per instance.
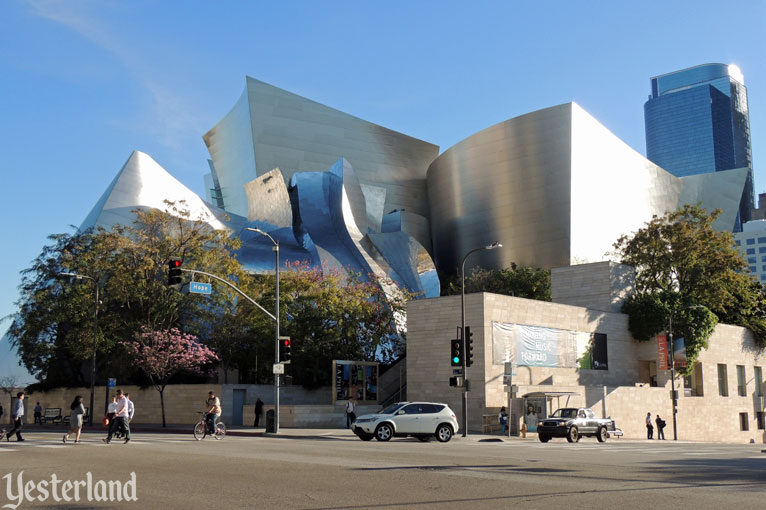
660	428
503	419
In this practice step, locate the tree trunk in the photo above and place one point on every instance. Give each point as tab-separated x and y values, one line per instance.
162	404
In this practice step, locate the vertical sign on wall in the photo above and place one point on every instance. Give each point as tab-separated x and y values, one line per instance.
662	352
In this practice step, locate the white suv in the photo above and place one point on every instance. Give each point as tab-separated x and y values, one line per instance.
423	420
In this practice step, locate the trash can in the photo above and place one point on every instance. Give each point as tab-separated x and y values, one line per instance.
270	421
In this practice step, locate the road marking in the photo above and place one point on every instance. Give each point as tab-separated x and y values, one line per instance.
47	446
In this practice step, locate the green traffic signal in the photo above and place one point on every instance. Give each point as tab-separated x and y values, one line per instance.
456	352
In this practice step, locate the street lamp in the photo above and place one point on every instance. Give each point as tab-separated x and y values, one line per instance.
95	334
276	333
673	394
462	331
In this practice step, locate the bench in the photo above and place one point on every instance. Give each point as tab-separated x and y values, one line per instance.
52	414
490	422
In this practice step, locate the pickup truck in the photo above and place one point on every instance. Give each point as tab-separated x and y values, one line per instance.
574	423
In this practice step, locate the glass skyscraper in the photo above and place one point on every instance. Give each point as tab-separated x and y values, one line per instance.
697	122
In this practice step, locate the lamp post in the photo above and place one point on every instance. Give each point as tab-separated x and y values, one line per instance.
276	318
673	394
95	335
462	331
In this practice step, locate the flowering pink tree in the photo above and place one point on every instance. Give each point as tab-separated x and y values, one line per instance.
162	354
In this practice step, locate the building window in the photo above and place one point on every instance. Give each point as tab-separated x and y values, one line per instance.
741	384
760	420
762	239
737	243
758	377
750	241
762	249
743	425
723	385
751	251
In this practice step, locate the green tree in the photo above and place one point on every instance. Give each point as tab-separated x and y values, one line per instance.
53	330
329	316
688	271
527	282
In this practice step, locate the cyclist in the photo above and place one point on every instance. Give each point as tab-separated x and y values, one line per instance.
213	404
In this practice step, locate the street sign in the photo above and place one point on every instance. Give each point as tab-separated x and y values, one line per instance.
457	371
278	369
111	383
199	288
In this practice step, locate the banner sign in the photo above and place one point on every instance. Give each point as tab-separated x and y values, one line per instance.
662	352
537	346
679	353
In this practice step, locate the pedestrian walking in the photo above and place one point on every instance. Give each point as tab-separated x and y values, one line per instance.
77	411
503	419
649	426
38	414
258	411
350	412
660	428
131	408
17	414
111	409
120	416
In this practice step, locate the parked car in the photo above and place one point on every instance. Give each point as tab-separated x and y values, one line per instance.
423	420
574	423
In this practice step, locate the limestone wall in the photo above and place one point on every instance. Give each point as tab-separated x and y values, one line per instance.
616	392
182	401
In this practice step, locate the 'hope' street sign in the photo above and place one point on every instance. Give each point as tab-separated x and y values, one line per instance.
199	288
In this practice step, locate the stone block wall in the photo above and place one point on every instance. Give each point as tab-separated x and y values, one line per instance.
615	392
182	402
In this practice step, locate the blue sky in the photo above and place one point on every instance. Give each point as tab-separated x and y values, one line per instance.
84	83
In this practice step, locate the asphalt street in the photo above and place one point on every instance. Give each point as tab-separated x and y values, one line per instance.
335	470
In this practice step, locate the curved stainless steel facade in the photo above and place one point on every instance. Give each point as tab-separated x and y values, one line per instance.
556	188
319	219
272	128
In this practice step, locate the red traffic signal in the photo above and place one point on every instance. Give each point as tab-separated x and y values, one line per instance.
174	271
285	349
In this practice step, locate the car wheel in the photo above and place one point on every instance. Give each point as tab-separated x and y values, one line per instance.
602	434
444	433
543	438
366	437
573	435
384	432
425	439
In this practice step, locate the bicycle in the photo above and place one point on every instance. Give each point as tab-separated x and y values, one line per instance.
200	429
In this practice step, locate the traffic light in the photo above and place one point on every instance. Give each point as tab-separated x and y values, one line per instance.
468	346
456	352
174	271
285	349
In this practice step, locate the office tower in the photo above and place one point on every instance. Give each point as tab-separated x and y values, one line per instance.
697	122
